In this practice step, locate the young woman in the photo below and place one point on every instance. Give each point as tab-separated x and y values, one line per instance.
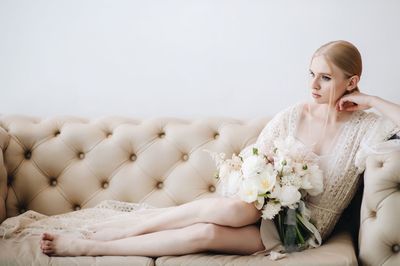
334	126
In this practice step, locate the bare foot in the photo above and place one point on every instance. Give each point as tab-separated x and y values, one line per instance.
60	245
108	234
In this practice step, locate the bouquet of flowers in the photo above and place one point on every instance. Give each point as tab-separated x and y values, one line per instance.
277	182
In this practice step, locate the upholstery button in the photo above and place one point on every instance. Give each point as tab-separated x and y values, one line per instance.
211	188
160	185
396	248
105	184
57	133
22	210
77	207
373	214
161	135
81	155
9	180
108	135
185	157
28	155
53	182
216	135
133	157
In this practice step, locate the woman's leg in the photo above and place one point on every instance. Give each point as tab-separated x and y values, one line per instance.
222	211
191	239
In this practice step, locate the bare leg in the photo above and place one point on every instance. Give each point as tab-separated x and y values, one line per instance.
221	211
192	239
129	219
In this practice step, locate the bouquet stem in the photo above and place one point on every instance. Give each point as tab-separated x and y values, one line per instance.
291	231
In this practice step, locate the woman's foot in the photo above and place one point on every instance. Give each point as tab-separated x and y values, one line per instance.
60	245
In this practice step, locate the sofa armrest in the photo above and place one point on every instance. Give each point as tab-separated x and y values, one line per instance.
4	138
379	236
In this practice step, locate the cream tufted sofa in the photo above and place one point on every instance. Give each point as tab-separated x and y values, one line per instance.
62	164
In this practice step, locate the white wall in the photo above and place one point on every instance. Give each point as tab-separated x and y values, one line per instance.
184	58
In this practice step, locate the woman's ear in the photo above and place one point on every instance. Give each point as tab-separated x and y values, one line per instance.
353	82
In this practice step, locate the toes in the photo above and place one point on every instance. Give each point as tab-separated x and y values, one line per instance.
47	236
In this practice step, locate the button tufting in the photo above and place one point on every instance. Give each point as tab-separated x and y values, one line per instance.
216	135
28	155
57	133
133	157
22	210
77	207
211	188
160	185
81	155
105	185
161	135
373	214
53	182
396	248
185	157
108	135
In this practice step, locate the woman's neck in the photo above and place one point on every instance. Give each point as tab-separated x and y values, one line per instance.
327	113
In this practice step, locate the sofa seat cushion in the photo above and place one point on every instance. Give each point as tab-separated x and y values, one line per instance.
28	252
337	251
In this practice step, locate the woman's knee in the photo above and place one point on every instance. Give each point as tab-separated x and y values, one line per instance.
235	212
202	235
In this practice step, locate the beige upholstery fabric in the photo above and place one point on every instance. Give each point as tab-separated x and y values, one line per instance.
379	236
75	163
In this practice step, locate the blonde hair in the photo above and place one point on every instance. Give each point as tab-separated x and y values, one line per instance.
344	55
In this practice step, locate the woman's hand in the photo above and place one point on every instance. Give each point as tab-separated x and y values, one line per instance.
354	101
360	101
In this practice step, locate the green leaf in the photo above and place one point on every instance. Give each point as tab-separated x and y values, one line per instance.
255	151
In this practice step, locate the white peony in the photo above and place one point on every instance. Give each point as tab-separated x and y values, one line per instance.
266	179
289	195
252	166
249	190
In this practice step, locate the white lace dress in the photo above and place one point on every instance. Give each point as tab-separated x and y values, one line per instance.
360	136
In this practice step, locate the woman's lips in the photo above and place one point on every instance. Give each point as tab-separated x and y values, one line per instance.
314	95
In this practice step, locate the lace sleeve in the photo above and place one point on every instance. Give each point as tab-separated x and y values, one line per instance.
278	126
378	140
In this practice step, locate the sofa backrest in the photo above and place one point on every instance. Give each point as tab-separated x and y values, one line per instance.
65	163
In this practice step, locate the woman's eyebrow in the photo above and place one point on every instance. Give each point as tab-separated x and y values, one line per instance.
322	73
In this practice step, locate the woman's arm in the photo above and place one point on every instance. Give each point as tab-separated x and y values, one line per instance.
360	101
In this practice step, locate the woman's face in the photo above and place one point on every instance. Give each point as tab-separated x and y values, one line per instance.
324	78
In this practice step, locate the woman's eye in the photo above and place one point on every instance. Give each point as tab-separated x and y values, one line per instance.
326	78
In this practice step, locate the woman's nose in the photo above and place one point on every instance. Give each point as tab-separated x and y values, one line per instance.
315	84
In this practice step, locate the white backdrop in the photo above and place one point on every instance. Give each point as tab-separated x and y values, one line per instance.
183	58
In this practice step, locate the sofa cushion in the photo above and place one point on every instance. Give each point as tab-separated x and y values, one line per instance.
27	252
337	251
